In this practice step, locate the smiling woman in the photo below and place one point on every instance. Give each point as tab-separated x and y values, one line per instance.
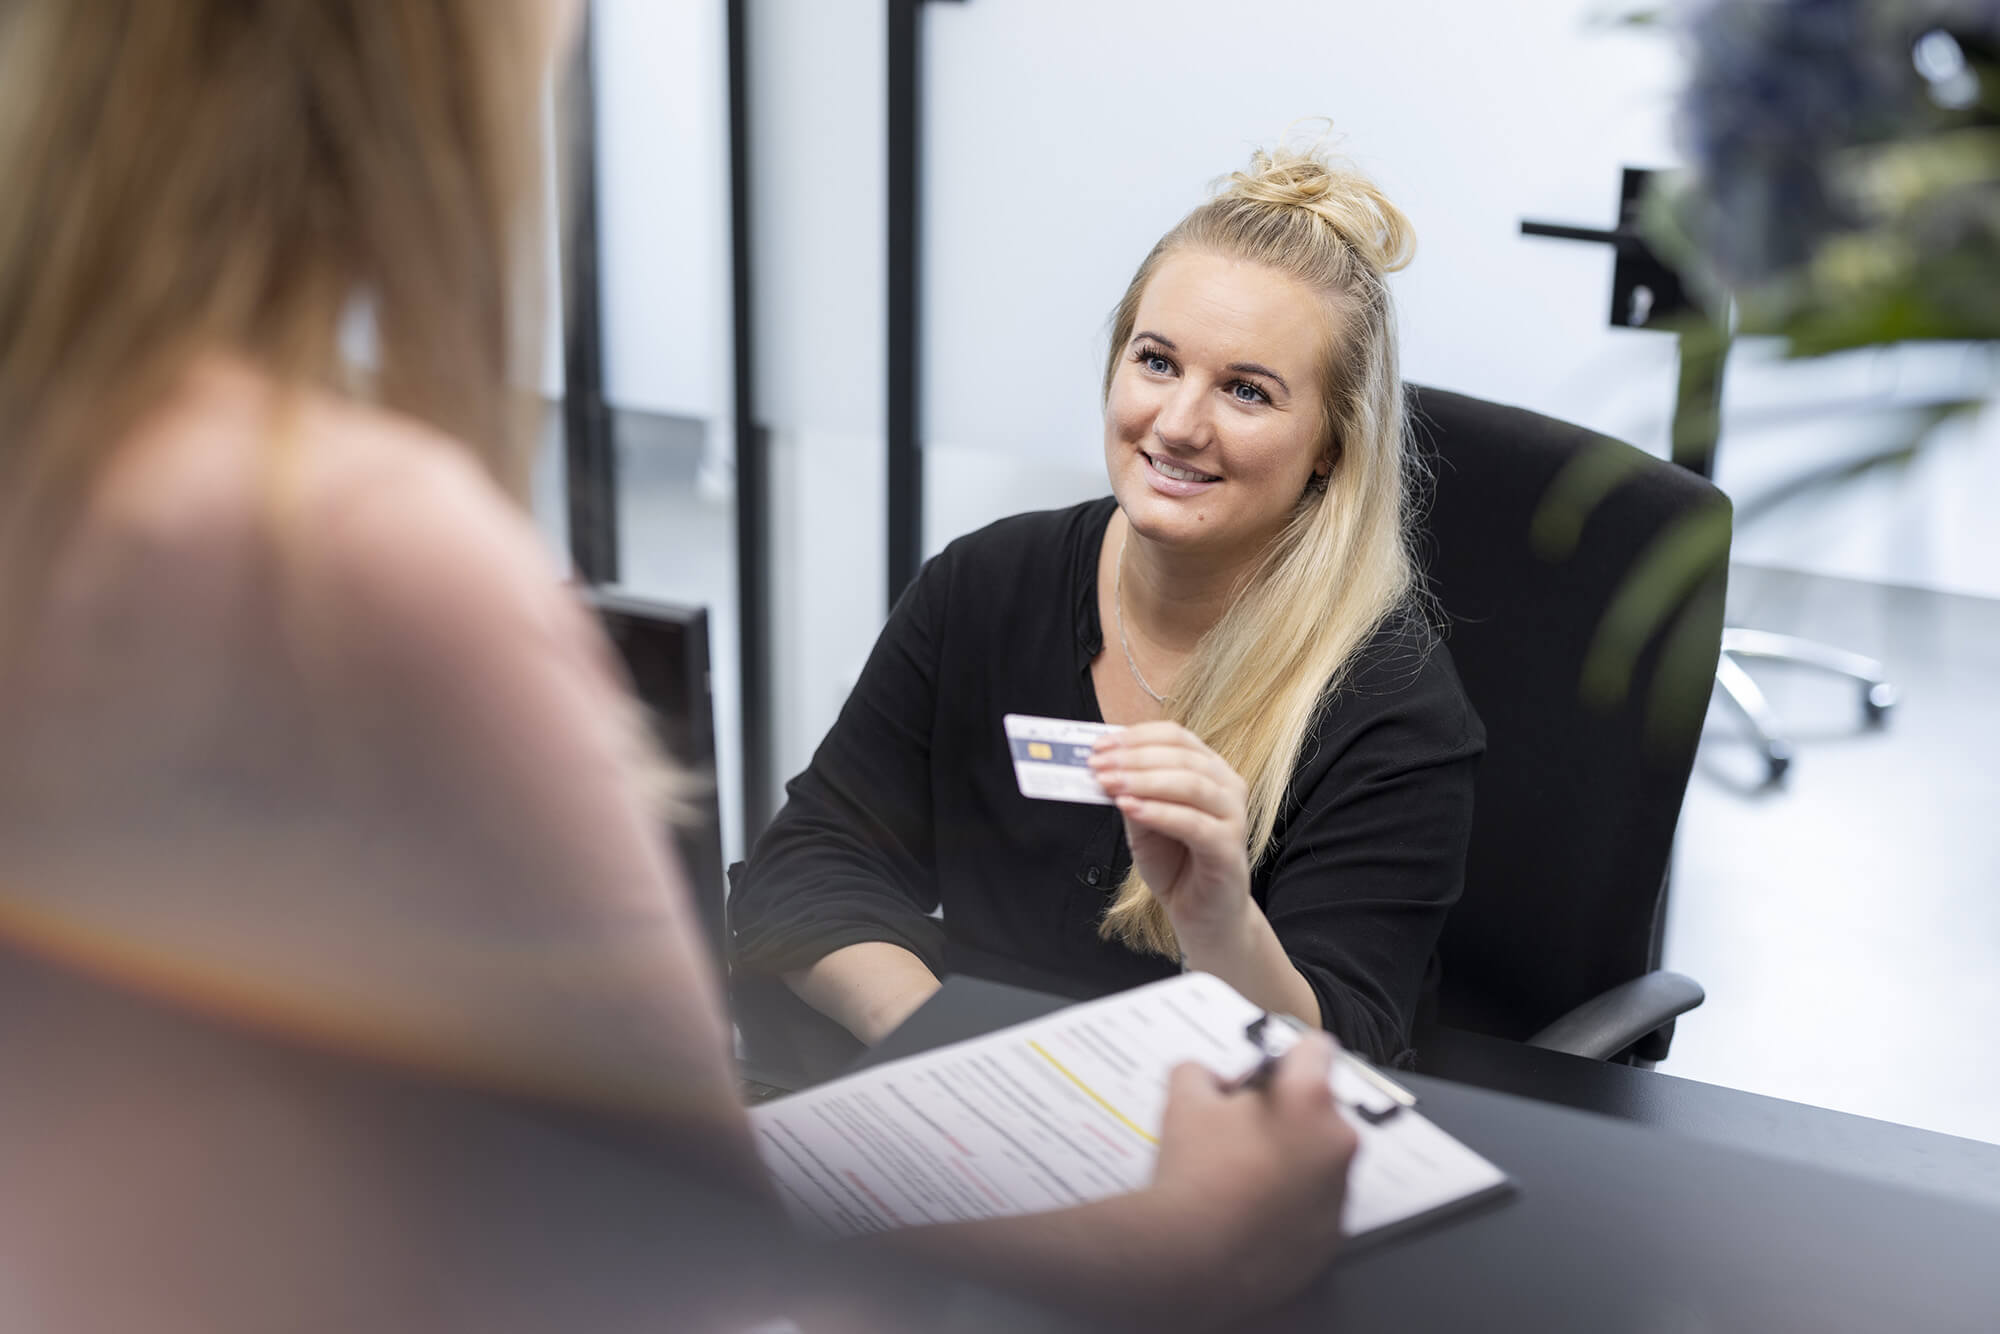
1263	586
1291	778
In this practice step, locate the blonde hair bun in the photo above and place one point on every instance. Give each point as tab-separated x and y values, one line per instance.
1332	189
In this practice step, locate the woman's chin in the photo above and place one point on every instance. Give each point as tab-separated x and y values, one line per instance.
1183	525
1170	522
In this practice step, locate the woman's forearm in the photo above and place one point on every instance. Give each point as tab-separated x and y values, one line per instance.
868	989
1120	1261
1247	954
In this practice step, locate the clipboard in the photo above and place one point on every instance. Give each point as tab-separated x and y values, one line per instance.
1066	1109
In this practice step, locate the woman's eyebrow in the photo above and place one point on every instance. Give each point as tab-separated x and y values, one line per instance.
1252	368
1239	367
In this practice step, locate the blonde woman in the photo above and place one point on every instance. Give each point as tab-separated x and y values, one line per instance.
1293	783
319	799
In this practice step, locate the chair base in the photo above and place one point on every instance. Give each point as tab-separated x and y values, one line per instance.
1878	696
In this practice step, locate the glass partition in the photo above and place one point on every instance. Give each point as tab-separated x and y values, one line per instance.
649	244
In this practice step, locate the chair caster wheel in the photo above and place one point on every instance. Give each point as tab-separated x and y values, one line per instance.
1777	762
1876	702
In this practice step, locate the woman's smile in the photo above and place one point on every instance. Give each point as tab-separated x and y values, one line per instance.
1173	479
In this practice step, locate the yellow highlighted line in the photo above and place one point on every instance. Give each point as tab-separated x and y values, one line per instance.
1092	1093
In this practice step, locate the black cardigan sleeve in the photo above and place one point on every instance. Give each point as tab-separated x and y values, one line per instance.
849	857
1374	853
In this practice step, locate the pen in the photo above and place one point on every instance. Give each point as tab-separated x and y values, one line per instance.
1257	1076
1270	1050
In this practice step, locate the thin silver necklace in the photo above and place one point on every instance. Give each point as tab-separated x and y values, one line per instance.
1118	611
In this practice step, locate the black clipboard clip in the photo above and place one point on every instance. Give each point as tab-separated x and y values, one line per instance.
1274	1034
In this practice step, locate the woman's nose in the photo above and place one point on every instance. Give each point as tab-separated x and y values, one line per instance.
1182	419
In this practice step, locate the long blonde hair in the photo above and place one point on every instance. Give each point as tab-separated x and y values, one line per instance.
192	176
1341	566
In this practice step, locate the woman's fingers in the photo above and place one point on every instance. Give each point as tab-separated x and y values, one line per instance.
1191	1082
1152	734
1302	1099
1186	824
1305	1073
1183	786
1142	735
1185	811
1163	755
1114	767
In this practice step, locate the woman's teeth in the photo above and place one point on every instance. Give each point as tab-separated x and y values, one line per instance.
1178	474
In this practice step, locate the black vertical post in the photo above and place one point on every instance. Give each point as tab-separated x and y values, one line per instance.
1647	292
1697	420
591	462
906	201
906	459
753	571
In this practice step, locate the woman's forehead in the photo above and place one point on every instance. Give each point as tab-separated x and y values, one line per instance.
1212	305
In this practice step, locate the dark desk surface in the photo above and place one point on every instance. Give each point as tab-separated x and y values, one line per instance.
803	1047
1622	1226
1879	1150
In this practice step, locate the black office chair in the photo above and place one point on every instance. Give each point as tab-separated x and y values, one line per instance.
782	1044
1582	582
665	651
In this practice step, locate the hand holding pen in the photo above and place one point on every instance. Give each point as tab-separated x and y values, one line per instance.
1266	1175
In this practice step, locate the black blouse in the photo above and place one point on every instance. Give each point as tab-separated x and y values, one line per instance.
910	803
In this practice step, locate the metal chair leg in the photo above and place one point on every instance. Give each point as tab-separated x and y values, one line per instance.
1742	692
1878	696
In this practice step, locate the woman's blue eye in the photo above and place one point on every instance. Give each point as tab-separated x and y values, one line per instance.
1248	393
1156	363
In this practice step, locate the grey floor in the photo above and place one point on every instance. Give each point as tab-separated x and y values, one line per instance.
1846	925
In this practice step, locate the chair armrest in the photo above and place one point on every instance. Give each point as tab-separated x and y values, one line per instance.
1606	1025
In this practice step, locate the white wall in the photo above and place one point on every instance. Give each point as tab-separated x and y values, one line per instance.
663	204
1065	137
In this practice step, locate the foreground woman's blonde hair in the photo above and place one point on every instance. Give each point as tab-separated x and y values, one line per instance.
184	177
1341	567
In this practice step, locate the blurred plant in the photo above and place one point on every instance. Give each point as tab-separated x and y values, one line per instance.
1843	184
1842	191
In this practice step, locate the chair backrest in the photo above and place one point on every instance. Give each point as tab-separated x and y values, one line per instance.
1536	529
665	649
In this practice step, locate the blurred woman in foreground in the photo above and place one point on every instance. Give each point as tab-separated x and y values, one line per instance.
310	769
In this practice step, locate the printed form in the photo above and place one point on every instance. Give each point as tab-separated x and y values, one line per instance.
1061	1111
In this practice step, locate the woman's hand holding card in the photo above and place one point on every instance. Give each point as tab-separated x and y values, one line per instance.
1185	815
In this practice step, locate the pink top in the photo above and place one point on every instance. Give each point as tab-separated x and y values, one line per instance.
311	740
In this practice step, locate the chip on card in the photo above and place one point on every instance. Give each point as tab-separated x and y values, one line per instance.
1052	757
